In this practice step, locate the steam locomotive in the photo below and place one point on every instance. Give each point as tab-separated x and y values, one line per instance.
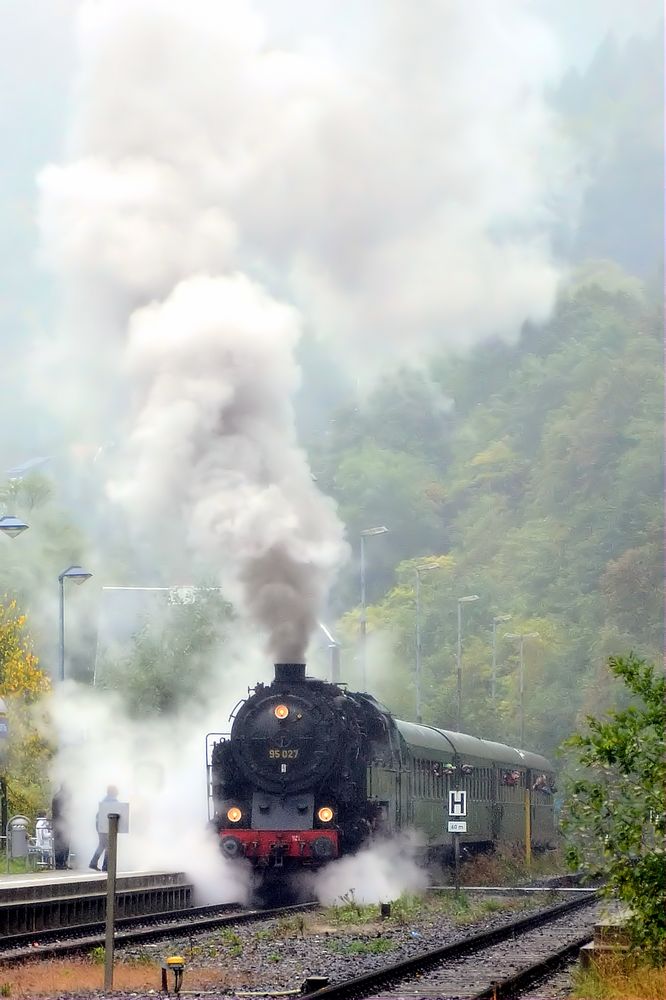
311	772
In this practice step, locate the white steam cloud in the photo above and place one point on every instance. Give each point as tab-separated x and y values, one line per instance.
395	202
158	766
378	873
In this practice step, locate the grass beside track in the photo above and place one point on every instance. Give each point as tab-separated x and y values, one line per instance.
613	981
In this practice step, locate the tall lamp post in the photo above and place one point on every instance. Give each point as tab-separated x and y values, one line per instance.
12	526
461	600
521	636
78	575
365	533
425	568
493	683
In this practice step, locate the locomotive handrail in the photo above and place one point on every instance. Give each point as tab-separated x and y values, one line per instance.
232	713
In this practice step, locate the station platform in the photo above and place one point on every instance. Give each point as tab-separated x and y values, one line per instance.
49	899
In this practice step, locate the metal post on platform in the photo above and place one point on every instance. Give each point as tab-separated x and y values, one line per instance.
456	861
112	859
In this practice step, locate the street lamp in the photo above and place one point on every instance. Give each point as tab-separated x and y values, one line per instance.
425	568
461	600
12	526
493	684
78	575
521	636
365	533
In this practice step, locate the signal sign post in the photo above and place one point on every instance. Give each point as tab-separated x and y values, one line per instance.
457	824
113	819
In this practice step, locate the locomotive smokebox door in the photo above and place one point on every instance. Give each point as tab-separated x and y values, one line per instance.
282	812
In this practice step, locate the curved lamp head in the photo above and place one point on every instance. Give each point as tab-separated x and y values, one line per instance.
381	530
75	573
468	599
12	526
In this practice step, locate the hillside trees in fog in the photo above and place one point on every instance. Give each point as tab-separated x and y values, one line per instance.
614	115
171	659
547	474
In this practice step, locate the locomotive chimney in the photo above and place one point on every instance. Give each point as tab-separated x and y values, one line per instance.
289	673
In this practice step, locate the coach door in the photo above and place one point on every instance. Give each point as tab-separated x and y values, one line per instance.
384	790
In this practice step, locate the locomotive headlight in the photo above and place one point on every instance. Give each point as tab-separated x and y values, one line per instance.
325	814
280	711
234	814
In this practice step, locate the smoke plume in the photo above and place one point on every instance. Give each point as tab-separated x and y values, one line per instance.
214	434
221	194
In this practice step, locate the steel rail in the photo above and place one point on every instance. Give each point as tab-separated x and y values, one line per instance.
367	984
513	986
147	927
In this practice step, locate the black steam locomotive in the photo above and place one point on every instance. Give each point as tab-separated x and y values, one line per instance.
311	771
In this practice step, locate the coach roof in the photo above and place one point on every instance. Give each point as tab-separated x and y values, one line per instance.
421	738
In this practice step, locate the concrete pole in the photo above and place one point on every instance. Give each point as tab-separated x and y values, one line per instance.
493	681
459	672
364	624
522	693
61	630
418	647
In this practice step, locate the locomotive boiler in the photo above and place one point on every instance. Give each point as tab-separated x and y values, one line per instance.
311	771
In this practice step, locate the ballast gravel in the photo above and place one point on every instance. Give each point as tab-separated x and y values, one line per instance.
278	954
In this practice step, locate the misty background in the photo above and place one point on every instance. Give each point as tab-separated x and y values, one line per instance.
438	233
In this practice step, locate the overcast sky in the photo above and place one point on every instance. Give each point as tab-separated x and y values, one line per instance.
36	73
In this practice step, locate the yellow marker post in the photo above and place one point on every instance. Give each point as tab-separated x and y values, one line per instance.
175	964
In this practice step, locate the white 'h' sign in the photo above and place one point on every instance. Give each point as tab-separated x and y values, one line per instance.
457	803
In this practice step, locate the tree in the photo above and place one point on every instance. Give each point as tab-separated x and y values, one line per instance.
172	658
616	810
22	683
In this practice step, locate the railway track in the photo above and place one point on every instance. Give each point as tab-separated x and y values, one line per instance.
494	964
131	930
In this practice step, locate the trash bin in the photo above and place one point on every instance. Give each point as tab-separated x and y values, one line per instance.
17	836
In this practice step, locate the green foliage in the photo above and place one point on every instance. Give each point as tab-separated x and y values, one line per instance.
98	955
172	656
351	911
232	942
362	946
286	926
616	811
407	908
25	759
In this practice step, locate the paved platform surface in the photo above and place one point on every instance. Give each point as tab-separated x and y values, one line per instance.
35	885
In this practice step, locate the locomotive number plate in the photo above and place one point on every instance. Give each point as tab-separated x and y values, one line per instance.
279	754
